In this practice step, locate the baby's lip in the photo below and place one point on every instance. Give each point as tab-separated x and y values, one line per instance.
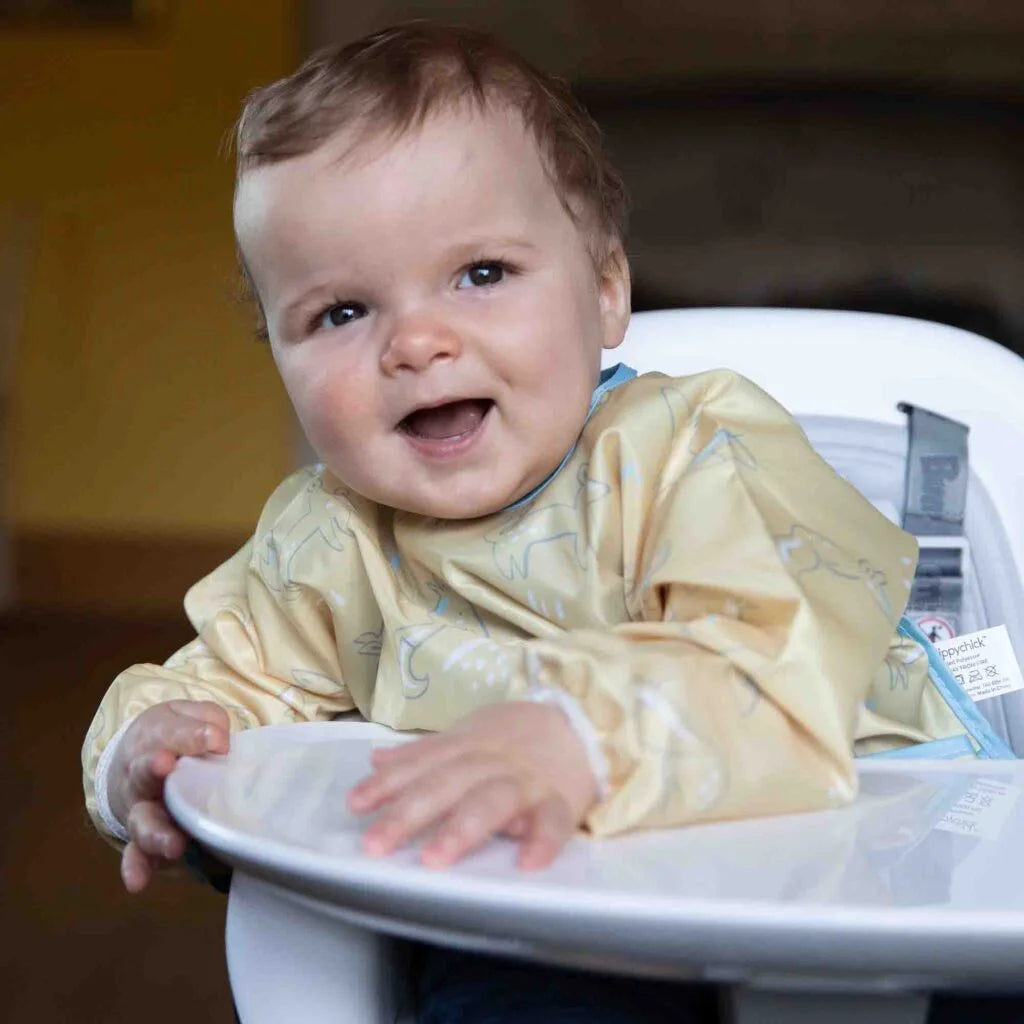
445	423
439	403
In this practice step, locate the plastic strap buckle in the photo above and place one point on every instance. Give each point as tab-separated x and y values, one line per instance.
934	505
935	495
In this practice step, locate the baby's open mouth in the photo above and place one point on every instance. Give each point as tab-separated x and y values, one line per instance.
447	422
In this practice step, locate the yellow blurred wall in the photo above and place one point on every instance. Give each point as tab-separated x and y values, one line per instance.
141	403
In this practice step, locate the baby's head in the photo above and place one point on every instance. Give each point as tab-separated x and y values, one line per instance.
434	238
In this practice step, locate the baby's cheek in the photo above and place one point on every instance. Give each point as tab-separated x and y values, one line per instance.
336	412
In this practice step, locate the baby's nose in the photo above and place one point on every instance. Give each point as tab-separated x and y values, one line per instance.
416	342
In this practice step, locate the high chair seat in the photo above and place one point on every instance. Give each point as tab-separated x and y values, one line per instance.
833	916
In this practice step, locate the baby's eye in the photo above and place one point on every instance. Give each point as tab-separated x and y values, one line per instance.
480	274
340	313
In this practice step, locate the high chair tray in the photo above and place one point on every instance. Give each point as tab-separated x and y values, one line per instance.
918	879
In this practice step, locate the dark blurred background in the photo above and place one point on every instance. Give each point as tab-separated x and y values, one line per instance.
779	152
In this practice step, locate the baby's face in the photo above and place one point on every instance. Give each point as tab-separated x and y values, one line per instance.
434	311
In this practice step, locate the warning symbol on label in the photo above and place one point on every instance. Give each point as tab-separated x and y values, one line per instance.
935	628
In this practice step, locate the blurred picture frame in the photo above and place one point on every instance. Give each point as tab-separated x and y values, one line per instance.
82	12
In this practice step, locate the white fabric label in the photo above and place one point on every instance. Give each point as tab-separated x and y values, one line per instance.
983	663
981	811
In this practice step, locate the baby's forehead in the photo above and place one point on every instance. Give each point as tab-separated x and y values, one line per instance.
466	122
457	133
478	165
467	126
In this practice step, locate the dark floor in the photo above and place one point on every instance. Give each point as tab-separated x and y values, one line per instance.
78	948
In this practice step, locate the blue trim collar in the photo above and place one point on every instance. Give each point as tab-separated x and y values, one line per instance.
610	379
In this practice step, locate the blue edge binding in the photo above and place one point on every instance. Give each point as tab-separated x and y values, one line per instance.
980	740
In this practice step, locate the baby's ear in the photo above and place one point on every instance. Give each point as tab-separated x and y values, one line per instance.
614	285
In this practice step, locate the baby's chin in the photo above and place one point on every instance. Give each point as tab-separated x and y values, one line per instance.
451	503
454	508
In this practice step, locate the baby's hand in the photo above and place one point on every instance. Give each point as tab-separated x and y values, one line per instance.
145	756
516	768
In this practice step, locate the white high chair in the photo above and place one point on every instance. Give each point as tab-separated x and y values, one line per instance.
297	951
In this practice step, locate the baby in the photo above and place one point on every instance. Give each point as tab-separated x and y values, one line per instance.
617	602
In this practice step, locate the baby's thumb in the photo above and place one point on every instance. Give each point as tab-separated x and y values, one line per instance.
208	723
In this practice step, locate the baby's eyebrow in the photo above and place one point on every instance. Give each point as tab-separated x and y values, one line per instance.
308	302
493	244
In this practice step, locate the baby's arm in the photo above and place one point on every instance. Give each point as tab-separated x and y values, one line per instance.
232	677
141	761
764	598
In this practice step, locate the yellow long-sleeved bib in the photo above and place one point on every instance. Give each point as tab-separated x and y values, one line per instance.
718	602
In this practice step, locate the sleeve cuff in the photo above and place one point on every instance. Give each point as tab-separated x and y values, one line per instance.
110	822
583	728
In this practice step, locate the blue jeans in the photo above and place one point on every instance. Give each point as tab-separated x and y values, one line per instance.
453	987
462	988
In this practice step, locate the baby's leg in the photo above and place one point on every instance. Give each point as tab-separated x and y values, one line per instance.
463	988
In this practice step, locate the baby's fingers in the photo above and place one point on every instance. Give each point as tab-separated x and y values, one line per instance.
147	772
517	827
551	827
393	777
188	735
201	710
136	872
420	749
153	832
155	843
137	868
424	801
484	811
210	722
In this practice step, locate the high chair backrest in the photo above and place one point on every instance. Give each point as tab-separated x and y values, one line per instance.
832	367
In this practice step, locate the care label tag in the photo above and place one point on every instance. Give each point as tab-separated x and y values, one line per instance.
981	811
983	662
